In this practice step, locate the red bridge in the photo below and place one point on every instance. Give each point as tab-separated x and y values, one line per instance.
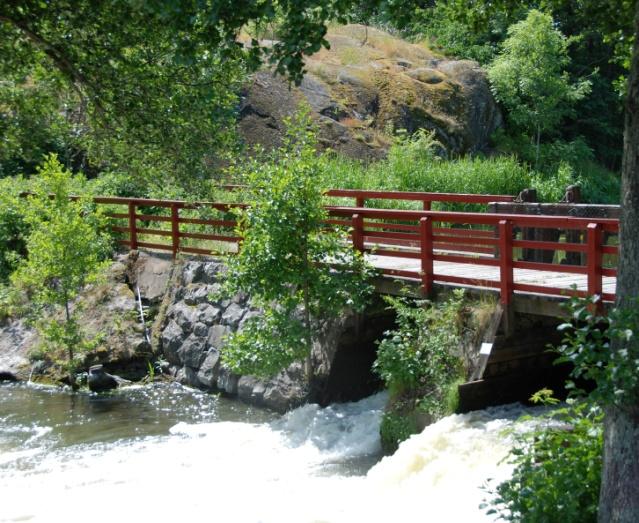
485	251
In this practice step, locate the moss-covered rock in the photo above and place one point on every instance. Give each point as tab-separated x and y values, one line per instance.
109	316
369	83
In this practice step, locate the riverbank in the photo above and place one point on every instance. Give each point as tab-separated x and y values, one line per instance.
184	332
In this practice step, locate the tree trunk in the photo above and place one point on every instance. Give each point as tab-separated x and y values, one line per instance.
619	495
537	146
68	316
308	363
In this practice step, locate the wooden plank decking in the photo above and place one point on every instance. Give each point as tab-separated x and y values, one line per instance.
479	272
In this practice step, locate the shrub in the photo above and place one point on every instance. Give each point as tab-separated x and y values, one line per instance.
557	470
423	351
13	228
420	364
66	249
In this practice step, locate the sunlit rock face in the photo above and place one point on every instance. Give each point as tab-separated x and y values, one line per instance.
369	84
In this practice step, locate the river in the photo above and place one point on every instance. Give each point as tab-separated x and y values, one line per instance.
167	453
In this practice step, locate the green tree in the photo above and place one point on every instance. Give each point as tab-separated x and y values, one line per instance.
116	80
529	77
66	249
149	85
13	228
601	45
289	264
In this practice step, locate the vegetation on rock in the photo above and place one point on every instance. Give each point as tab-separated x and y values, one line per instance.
66	248
421	363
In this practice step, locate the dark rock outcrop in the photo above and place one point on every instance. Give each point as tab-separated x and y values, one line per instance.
190	333
367	83
99	380
7	376
109	313
193	336
16	342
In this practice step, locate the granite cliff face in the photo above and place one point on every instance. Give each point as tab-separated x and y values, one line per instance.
368	84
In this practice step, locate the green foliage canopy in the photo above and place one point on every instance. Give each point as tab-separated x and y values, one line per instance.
116	79
13	228
557	469
145	85
66	249
601	36
289	264
529	76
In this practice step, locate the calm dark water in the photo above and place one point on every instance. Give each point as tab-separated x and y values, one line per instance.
33	417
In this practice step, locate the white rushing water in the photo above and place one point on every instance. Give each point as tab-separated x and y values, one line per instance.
300	468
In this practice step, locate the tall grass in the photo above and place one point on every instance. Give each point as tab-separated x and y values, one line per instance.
414	164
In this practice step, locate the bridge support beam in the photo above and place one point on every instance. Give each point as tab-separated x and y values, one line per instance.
426	240
595	263
505	261
358	232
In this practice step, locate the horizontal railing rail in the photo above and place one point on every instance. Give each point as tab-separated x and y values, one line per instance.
494	246
484	249
427	198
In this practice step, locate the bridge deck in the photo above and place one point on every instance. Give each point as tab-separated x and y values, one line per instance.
524	276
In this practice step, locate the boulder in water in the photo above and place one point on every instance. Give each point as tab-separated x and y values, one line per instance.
99	380
7	376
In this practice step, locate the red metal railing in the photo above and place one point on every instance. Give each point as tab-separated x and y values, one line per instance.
460	248
176	231
427	198
177	234
494	246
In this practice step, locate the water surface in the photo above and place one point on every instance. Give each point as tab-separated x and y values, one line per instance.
169	453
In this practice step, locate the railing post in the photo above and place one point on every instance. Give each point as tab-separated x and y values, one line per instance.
175	229
426	205
133	227
426	251
505	261
358	232
594	259
360	201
